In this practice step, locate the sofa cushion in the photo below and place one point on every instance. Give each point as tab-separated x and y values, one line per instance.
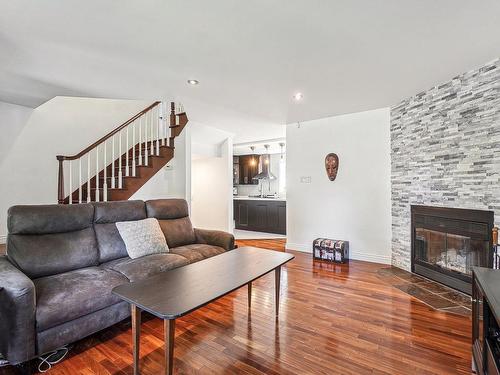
51	254
164	209
67	296
111	245
74	330
196	252
143	267
178	232
49	218
173	215
50	239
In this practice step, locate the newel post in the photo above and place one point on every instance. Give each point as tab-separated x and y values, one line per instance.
172	114
60	180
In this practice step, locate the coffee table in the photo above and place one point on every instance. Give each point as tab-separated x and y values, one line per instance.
175	293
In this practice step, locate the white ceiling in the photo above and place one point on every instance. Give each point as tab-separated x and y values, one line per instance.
259	147
250	56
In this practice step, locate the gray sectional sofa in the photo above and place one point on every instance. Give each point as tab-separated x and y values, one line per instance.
63	261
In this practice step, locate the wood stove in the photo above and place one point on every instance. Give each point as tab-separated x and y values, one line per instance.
447	242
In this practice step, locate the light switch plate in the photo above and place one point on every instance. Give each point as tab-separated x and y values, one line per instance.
305	179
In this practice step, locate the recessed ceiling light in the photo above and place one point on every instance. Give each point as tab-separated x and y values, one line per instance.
193	82
298	96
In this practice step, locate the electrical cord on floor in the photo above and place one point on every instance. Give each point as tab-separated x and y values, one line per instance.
49	359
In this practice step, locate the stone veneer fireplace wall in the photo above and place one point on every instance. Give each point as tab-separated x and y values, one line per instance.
445	151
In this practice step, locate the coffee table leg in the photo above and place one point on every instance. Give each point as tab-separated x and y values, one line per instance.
249	294
136	335
277	278
169	326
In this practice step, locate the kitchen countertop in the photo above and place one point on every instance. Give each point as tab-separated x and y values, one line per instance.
247	198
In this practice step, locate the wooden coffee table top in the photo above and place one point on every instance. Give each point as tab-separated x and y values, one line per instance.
177	292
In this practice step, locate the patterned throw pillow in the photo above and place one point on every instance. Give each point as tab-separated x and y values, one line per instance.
142	237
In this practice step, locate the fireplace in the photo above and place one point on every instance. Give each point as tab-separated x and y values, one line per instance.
448	242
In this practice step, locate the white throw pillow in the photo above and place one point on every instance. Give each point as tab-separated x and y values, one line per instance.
142	237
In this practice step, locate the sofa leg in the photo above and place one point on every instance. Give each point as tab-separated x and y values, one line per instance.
26	368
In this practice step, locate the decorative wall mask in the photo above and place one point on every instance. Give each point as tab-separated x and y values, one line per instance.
332	165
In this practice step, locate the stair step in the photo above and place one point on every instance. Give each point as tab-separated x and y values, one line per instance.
143	149
131	157
124	167
93	188
149	146
109	178
117	169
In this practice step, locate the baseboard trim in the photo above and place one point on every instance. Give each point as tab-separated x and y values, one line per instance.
356	255
3	239
298	247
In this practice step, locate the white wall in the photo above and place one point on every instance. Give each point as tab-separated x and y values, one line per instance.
28	166
13	120
357	205
211	194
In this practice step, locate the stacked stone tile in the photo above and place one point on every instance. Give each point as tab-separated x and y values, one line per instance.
445	151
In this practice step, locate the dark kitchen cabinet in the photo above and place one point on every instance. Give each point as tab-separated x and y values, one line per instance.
248	167
260	215
485	321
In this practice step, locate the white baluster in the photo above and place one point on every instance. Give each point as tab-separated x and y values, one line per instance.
140	140
88	177
80	180
157	122
113	162
97	173
70	183
152	124
146	140
120	173
167	126
133	149
161	115
127	173
105	173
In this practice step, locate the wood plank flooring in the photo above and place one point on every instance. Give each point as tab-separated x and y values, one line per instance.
334	319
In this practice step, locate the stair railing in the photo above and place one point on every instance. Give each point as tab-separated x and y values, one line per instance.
115	156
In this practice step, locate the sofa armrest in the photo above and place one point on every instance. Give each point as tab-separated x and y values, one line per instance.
17	314
215	238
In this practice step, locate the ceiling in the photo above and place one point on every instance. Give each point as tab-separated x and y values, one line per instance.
249	56
259	148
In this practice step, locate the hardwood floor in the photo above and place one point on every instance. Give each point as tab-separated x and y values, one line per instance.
334	319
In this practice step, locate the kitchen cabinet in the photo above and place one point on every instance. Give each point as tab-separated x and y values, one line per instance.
245	167
264	215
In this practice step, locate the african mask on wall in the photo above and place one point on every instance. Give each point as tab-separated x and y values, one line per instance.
332	165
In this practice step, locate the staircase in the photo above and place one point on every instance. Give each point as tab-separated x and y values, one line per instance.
118	164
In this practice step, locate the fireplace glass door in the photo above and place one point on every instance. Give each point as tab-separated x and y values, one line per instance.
449	252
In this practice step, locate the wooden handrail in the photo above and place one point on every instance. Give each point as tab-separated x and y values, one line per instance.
107	136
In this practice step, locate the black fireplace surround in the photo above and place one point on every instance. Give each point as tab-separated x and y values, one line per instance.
447	242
